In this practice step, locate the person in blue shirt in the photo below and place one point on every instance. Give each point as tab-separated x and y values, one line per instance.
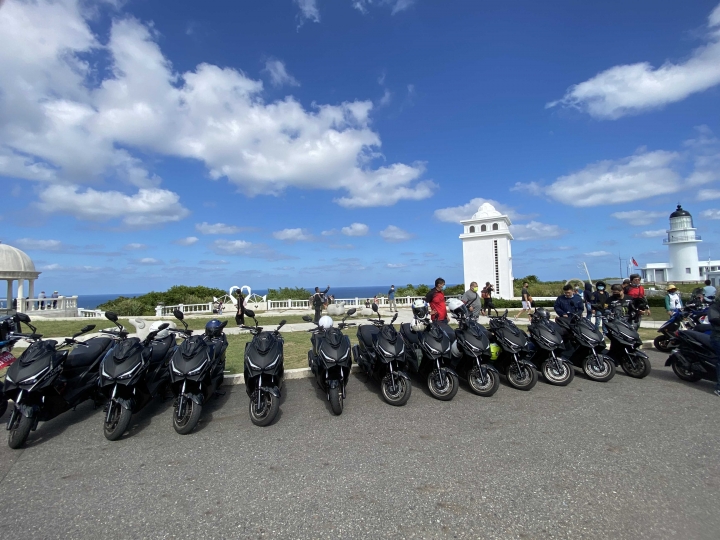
391	299
709	291
569	303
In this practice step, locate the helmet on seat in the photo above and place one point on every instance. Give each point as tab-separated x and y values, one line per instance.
164	332
325	322
418	325
213	328
419	308
456	306
542	312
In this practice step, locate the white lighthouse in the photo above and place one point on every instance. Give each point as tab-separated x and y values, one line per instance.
487	255
682	244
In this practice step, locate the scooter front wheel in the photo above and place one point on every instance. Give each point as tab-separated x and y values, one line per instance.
662	344
446	391
522	378
336	400
19	432
264	414
118	423
486	387
602	372
397	394
188	418
641	368
558	377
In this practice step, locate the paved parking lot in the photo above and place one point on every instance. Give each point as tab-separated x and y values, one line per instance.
624	459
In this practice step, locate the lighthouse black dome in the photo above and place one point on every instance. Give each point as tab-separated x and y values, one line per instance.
680	212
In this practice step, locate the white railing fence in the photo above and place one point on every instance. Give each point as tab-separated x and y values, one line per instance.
28	305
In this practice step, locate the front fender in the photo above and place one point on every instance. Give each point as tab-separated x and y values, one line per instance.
447	370
331	383
274	391
126	404
527	363
28	411
402	374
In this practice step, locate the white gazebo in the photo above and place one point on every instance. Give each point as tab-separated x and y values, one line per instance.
15	265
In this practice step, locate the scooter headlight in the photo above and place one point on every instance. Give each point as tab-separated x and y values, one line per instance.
274	363
247	359
198	369
174	369
385	353
7	378
104	373
35	378
130	373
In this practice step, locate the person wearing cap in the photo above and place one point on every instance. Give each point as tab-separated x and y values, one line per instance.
672	299
55	297
42	297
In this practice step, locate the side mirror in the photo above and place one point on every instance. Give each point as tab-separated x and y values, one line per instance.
307	318
375	308
111	316
283	322
250	313
87	328
178	314
163	326
22	317
223	324
350	312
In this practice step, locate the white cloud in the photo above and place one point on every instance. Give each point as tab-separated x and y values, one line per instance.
308	10
149	261
187	241
534	230
216	228
329	232
147	207
598	254
635	88
135	246
396	5
231	246
64	120
396	265
247	249
278	73
214	262
395	234
639	217
455	214
355	229
652	234
293	235
386	99
712	213
531	188
708	194
39	245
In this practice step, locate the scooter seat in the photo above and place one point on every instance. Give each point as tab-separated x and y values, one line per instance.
702	328
704	339
448	330
86	354
366	333
160	347
410	336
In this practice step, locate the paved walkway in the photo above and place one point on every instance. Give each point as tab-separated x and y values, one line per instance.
628	459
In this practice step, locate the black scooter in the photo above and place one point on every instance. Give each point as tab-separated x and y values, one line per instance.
380	353
471	354
264	370
132	373
196	372
428	354
47	381
8	326
545	340
330	360
625	343
694	359
584	346
513	358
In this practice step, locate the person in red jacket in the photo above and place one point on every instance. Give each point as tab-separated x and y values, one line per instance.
637	293
436	299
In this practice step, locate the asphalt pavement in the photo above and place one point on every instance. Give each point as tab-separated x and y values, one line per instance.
624	459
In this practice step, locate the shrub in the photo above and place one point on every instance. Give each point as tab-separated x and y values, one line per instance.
289	293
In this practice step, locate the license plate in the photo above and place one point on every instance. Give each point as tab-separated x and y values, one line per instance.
6	359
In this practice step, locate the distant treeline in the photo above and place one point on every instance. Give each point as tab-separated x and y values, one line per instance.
145	304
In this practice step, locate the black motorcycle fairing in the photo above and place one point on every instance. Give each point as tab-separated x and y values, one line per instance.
366	335
34	367
511	338
623	332
257	362
125	349
160	348
339	355
545	334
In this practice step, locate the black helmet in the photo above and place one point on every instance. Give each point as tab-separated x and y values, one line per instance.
213	328
600	285
542	312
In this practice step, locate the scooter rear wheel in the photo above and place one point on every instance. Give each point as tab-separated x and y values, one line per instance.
19	432
604	373
685	374
402	392
487	388
189	420
118	424
336	400
662	344
264	416
561	377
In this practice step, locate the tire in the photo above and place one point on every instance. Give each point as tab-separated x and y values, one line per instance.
447	392
190	419
401	395
269	411
662	344
19	434
476	385
3	406
605	374
552	376
522	381
642	370
119	422
336	400
684	374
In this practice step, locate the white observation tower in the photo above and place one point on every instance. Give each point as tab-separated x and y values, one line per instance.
486	250
682	243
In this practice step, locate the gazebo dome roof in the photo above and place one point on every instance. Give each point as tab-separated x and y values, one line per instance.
14	261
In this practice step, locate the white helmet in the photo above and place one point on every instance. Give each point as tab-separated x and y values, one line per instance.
325	322
455	350
162	333
420	308
418	325
454	303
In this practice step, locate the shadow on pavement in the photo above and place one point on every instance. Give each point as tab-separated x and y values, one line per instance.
214	405
52	428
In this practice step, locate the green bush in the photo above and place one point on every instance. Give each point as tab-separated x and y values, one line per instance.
127	307
145	304
288	293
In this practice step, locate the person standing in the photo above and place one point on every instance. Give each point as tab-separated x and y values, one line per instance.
709	291
526	300
600	302
436	299
472	300
42	297
240	315
714	318
486	295
568	303
587	298
636	293
318	301
672	299
391	299
55	297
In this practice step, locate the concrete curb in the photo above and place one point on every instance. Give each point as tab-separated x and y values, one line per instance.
290	374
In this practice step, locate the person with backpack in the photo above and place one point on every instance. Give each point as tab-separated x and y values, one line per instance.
472	300
486	295
318	302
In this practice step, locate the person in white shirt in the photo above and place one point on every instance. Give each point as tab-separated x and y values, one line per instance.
672	300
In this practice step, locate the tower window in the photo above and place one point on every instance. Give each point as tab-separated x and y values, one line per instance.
688	271
483	228
495	226
472	228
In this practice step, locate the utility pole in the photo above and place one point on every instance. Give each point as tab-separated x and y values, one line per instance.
582	265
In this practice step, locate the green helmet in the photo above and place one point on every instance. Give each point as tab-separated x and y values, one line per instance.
494	351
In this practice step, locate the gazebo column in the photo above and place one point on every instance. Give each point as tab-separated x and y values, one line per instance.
31	293
21	295
9	293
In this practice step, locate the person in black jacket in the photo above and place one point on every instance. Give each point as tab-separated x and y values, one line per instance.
587	298
318	302
714	318
600	302
568	303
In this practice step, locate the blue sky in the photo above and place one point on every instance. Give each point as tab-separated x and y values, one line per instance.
314	142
